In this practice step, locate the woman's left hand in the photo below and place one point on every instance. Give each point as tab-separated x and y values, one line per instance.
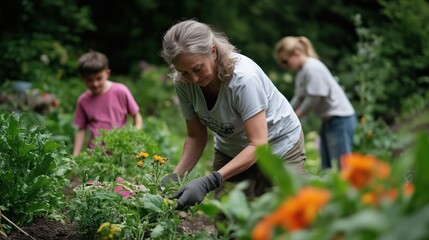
196	190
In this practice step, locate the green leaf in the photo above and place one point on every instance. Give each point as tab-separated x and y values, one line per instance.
274	167
421	180
413	227
152	202
157	231
24	148
36	186
13	127
237	205
209	207
43	167
367	220
49	146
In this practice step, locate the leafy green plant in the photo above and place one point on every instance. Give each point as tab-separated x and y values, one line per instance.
368	199
33	168
114	154
93	206
139	211
369	72
375	137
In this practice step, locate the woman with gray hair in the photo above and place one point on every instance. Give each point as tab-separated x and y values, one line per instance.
227	92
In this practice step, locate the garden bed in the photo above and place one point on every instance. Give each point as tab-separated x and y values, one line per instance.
45	229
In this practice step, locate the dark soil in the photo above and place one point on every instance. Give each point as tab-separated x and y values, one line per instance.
197	222
45	229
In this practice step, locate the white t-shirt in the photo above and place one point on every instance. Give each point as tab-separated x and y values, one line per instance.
249	92
314	79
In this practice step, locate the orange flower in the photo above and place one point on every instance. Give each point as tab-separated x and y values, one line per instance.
363	121
369	198
140	163
294	213
391	195
369	134
360	169
408	189
159	159
142	155
373	198
301	211
263	230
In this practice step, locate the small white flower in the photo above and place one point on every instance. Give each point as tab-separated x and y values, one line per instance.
44	58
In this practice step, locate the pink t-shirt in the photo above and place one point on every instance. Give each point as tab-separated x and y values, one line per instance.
104	111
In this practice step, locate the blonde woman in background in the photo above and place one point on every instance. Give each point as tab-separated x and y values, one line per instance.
317	90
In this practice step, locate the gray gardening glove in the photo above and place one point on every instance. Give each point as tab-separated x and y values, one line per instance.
196	190
170	179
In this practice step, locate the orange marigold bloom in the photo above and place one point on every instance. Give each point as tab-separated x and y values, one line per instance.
263	230
369	133
159	159
408	189
369	198
373	198
391	195
360	169
295	213
140	163
363	121
142	155
300	212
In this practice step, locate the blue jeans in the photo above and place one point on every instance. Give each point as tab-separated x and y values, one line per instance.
336	139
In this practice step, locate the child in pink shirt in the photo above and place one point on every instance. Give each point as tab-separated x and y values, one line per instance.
105	104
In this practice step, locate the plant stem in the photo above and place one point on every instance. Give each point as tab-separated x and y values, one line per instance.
13	224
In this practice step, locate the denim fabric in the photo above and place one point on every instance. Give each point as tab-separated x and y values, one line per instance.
336	139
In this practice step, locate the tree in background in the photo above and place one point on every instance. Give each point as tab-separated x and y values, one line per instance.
39	38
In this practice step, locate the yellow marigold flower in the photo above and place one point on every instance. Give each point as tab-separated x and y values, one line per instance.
144	154
158	158
360	169
161	160
363	120
103	226
140	163
114	228
108	231
369	133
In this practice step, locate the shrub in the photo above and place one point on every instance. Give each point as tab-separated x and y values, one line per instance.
33	168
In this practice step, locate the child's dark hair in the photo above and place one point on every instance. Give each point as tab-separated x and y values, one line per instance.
92	62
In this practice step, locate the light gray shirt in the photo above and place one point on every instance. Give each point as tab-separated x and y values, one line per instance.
249	92
314	80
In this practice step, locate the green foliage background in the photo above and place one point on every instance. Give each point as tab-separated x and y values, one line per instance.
378	50
41	40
